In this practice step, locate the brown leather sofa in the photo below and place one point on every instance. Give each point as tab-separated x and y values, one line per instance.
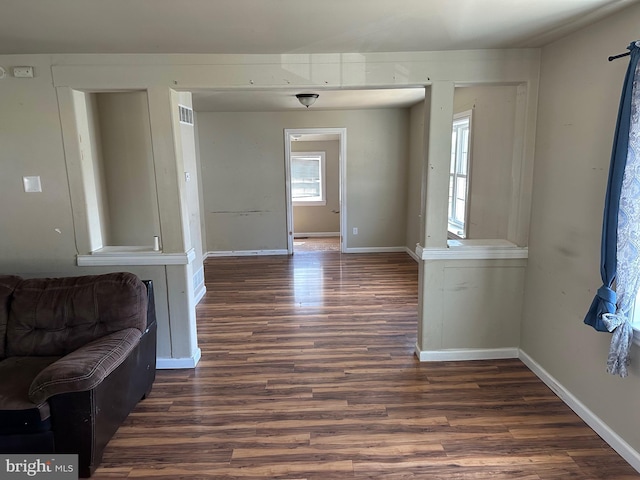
76	356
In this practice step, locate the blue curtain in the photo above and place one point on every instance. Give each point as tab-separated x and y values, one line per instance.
605	300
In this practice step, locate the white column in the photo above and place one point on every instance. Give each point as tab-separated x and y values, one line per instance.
435	197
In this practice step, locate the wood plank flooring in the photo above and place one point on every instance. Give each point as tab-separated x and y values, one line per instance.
308	372
304	245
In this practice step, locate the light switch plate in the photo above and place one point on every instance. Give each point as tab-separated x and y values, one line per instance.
32	184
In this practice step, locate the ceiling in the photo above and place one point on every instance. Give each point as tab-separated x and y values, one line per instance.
278	100
288	26
291	26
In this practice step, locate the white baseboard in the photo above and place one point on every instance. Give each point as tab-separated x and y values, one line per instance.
608	435
201	290
412	254
463	354
245	253
316	234
375	250
178	363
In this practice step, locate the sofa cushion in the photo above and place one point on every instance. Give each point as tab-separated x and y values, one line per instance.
7	286
18	414
55	316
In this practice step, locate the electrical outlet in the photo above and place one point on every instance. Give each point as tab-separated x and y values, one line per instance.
355	230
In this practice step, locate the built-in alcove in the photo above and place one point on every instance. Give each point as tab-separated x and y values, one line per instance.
484	159
466	275
117	167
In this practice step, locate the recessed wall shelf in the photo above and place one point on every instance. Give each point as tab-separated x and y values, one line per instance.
489	249
122	255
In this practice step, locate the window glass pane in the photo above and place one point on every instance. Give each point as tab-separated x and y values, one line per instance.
464	150
460	208
450	196
459	169
453	151
306	178
461	188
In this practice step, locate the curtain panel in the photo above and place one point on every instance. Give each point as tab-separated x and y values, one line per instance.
620	249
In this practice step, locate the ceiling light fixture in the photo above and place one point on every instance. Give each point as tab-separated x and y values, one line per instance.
307	99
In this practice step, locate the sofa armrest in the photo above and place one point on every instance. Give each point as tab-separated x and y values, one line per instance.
84	368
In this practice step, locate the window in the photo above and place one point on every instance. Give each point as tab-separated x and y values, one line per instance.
308	183
459	174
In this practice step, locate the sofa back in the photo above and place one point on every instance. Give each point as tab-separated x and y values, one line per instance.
55	316
7	286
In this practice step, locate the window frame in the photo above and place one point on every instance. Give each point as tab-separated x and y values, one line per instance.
456	229
322	201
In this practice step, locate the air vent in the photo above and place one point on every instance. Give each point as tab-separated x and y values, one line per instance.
186	115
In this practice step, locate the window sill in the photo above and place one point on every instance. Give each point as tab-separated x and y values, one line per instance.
130	255
636	333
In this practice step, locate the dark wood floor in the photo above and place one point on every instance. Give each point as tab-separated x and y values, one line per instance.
308	372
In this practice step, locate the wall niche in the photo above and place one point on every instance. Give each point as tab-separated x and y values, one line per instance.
492	152
117	169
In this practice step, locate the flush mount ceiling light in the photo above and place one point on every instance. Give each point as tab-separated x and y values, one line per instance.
307	99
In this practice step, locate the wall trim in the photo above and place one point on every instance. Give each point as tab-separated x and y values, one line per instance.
199	294
110	256
374	249
465	354
245	253
179	363
412	254
596	423
342	162
472	253
315	234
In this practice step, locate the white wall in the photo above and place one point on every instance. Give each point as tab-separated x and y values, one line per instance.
242	156
321	218
579	96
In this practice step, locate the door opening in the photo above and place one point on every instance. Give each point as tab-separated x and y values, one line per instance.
315	160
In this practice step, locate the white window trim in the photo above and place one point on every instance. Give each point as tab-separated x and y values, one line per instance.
323	180
453	226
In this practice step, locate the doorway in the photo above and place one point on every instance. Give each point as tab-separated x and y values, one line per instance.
315	186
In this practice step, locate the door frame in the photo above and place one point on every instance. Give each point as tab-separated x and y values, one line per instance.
342	162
